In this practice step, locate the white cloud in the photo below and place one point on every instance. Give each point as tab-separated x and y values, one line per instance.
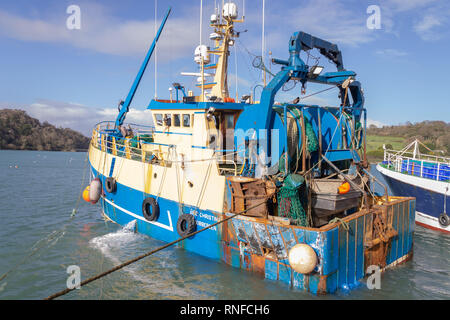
337	24
391	53
79	117
403	5
102	32
426	27
375	123
429	19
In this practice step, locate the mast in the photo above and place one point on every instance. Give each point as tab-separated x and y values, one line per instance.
202	61
223	37
263	44
156	54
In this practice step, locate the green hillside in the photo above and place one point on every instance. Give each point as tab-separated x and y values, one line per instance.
434	134
19	131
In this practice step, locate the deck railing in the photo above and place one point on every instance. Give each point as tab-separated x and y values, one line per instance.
424	166
141	147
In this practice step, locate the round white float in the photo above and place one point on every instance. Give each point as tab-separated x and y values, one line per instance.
95	190
302	258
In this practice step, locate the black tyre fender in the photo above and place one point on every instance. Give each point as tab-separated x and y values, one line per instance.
110	185
444	220
150	209
186	225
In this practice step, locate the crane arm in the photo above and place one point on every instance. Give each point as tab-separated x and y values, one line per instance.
126	105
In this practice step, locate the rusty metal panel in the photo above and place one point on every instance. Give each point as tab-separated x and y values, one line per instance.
399	230
289	237
394	244
277	241
331	282
330	252
271	270
412	217
263	236
314	280
284	273
299	280
392	212
258	264
240	230
360	248
315	239
368	229
252	237
343	257
351	253
300	235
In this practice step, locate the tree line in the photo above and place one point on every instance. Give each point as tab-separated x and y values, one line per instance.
434	134
19	131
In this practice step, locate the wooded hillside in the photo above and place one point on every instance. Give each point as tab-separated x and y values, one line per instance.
434	134
19	131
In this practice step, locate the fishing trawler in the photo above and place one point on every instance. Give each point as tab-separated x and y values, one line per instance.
280	189
423	176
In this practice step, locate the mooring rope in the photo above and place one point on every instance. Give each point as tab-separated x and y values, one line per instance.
65	291
337	220
86	162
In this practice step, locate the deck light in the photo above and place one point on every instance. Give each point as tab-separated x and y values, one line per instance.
314	71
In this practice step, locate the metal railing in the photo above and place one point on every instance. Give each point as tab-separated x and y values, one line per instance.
140	146
424	166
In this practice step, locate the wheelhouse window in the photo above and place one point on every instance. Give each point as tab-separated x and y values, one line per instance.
229	119
167	120
186	120
176	120
159	119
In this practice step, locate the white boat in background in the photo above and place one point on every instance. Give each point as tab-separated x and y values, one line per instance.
425	177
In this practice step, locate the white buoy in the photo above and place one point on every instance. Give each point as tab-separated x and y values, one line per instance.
302	258
95	190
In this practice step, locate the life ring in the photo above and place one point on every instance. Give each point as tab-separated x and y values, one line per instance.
444	220
150	209
186	224
110	185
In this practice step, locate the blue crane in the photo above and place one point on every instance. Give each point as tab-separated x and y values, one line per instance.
263	116
125	107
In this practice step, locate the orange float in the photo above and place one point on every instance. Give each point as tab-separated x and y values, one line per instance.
86	194
344	188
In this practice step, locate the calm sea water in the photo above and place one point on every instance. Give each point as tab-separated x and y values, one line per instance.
39	240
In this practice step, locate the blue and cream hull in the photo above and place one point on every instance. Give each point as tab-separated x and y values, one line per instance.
344	250
431	200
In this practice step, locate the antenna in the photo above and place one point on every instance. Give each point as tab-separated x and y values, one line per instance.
156	54
236	72
201	16
263	40
202	61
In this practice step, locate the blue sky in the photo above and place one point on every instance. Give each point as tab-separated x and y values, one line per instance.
74	78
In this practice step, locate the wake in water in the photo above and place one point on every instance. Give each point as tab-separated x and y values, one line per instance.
161	274
109	243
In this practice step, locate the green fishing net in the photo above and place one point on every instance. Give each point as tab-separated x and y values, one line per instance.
291	197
